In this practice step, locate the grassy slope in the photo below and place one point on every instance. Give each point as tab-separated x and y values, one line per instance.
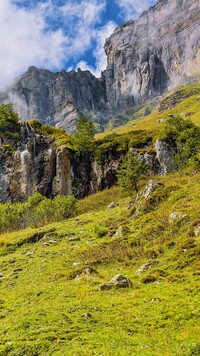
42	306
190	104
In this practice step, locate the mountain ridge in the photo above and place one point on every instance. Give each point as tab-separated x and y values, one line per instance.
145	59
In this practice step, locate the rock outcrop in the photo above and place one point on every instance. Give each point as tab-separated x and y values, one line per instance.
34	163
146	58
58	99
154	54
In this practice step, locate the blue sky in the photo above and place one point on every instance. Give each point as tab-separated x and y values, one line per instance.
59	34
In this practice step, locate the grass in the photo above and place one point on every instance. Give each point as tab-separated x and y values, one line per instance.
51	305
188	104
44	311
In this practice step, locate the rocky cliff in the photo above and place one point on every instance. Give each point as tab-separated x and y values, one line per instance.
34	163
58	99
146	58
154	54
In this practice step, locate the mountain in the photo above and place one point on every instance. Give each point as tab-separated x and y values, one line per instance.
146	58
43	159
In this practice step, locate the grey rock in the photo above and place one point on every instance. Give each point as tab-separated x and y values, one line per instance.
87	271
145	267
46	244
149	56
117	281
150	188
58	99
76	263
120	231
165	157
176	216
73	239
112	205
86	316
197	230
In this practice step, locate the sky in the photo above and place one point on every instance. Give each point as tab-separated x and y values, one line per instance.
59	34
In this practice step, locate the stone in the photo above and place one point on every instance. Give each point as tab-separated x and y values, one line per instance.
122	230
76	263
118	281
82	272
145	267
87	271
150	188
139	69
147	111
150	279
176	216
97	262
112	205
165	157
197	230
119	232
73	239
130	206
46	244
86	316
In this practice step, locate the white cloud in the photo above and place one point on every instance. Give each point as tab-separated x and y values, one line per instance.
132	8
24	41
80	19
28	38
100	36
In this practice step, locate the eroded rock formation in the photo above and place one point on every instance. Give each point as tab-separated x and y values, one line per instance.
34	163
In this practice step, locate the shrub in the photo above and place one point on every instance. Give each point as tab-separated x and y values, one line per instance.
83	138
130	172
186	137
36	212
9	122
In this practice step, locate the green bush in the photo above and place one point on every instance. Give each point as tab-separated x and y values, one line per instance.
130	172
9	122
185	136
83	138
36	212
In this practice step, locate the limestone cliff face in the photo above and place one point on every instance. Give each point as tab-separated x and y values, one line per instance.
57	99
35	164
154	54
146	58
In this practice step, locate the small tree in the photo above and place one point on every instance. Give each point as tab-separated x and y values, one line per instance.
130	172
83	138
186	137
9	122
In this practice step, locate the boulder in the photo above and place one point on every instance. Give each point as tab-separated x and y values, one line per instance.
118	281
150	188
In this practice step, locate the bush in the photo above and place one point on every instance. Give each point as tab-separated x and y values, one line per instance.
9	122
186	138
36	212
130	172
83	138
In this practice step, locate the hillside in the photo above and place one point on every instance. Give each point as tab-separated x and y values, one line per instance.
50	278
53	297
